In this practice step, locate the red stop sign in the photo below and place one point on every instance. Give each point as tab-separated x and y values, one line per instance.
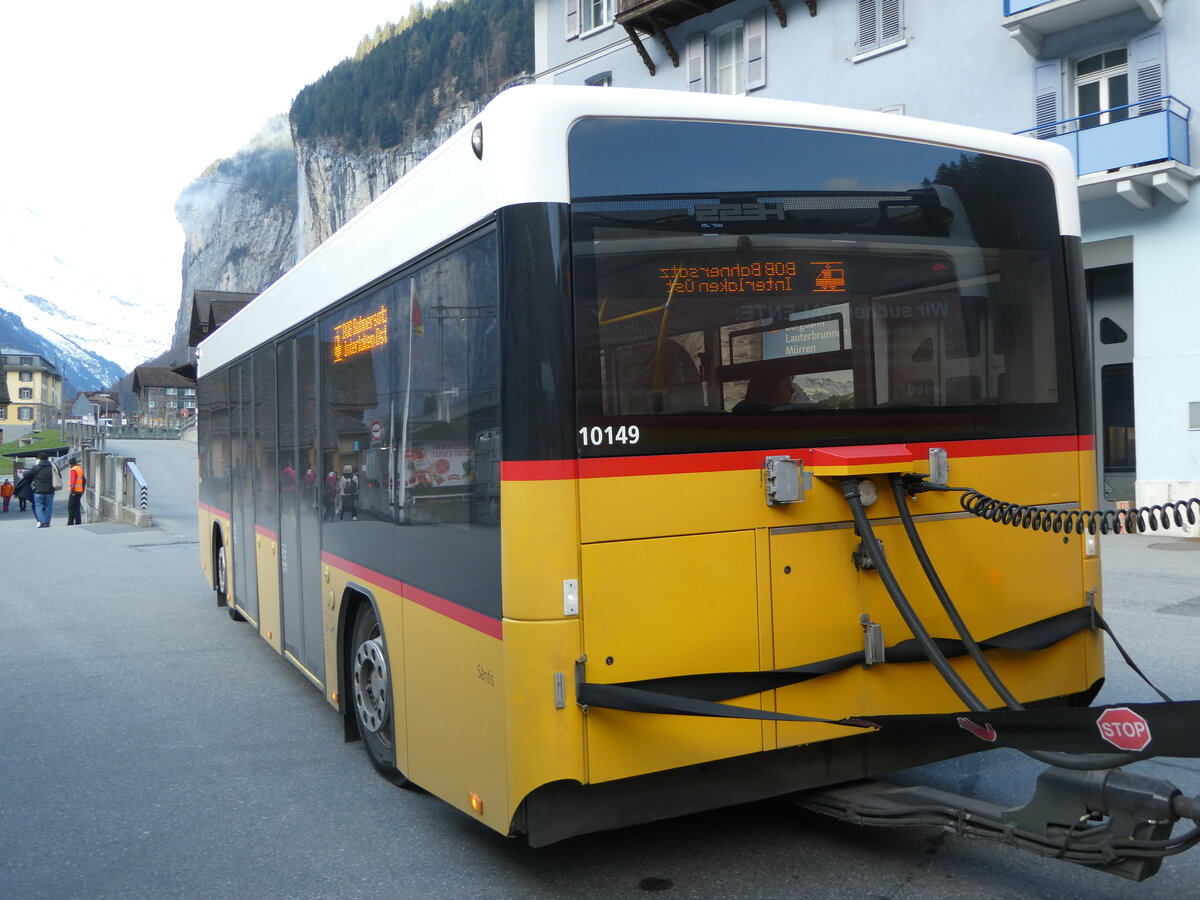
1124	729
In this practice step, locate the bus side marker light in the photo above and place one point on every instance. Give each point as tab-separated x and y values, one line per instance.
476	803
570	597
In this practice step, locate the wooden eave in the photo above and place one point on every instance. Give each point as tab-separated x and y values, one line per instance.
654	17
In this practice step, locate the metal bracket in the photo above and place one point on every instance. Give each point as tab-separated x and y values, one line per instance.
939	467
580	677
861	558
786	480
872	641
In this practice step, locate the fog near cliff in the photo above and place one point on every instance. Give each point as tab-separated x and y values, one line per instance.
239	220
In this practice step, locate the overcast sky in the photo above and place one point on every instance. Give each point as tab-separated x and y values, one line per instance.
109	109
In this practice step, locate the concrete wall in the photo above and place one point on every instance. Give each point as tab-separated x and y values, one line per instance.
112	494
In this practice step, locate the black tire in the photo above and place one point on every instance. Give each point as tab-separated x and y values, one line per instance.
221	580
370	685
220	568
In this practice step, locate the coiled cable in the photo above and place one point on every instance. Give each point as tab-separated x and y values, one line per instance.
1062	760
1065	521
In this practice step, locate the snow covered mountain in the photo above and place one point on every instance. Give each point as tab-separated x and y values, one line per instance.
52	302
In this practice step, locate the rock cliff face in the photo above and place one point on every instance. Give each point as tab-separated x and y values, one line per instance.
334	186
249	219
239	221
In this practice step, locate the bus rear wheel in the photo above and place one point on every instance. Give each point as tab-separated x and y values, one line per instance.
221	581
220	571
371	693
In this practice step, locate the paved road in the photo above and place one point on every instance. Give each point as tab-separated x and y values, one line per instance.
150	747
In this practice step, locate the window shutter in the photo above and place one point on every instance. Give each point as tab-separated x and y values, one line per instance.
868	34
891	26
572	19
1047	97
754	35
695	62
1149	64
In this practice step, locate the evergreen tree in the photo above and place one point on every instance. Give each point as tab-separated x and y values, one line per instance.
407	75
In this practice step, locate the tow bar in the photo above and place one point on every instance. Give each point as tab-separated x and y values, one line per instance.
1111	820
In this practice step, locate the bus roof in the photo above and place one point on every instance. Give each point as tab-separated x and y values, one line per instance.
524	160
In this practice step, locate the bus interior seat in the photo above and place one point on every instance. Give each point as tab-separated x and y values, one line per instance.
680	388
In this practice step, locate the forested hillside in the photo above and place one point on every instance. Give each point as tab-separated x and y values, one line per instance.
433	61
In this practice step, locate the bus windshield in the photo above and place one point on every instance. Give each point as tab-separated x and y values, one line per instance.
851	290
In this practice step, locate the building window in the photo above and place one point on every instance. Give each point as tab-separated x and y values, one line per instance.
26	361
1102	83
587	15
880	25
731	59
596	14
1099	84
3	412
25	376
25	413
25	393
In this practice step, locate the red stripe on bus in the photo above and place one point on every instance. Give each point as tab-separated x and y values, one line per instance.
440	605
695	463
213	510
263	531
539	470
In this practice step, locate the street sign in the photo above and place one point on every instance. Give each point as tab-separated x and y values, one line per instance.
376	430
1124	729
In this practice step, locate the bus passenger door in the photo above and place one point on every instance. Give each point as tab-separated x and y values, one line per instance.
299	542
245	563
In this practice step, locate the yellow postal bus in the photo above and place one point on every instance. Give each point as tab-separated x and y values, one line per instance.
545	468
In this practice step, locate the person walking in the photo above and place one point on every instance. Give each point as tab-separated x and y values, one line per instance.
6	492
75	485
24	489
43	489
348	494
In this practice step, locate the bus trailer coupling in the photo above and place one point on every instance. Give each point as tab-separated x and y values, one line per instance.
1114	821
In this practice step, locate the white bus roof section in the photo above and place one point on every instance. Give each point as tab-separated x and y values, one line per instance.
524	160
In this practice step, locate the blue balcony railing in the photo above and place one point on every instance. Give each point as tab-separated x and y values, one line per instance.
1135	134
1012	7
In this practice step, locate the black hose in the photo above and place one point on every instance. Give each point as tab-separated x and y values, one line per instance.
863	525
935	582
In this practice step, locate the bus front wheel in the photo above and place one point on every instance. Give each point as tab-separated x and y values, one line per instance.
371	693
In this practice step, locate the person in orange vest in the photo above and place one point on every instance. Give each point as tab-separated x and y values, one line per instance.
75	485
6	492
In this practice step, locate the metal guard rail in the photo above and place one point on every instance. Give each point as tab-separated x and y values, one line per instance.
1055	129
137	492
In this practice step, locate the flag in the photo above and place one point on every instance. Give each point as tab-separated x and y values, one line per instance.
418	323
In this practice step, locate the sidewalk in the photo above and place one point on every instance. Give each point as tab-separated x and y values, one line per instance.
80	556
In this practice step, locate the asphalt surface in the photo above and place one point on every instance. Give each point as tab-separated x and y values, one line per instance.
150	747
